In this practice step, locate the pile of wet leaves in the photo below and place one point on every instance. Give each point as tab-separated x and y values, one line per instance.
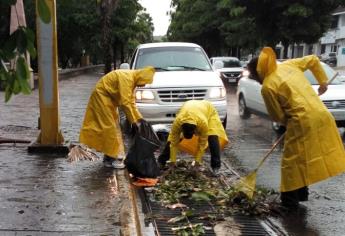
185	186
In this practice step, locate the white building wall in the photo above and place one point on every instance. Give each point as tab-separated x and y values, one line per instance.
341	53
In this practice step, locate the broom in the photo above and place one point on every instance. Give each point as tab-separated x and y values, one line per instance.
247	183
80	152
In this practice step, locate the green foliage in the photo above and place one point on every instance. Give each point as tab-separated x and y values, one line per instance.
131	25
78	28
218	25
189	230
197	21
187	188
15	79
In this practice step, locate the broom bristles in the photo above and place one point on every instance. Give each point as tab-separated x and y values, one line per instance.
80	152
247	185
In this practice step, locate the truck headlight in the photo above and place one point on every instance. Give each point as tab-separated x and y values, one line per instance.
217	93
144	95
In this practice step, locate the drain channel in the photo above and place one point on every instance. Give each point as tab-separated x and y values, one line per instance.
159	216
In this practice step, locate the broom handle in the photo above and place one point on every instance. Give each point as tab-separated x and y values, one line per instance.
282	136
334	76
270	151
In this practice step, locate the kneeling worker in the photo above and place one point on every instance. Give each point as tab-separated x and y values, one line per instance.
201	119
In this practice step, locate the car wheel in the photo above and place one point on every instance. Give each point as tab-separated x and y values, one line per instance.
225	121
242	108
278	128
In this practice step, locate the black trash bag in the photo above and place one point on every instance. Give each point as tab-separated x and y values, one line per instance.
140	160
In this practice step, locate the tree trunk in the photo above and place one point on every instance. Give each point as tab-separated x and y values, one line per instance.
122	52
115	53
286	49
106	34
107	7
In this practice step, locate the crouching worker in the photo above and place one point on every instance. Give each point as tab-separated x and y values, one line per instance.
201	119
313	150
101	129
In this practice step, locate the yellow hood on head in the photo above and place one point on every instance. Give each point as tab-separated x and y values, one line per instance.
144	76
188	117
267	62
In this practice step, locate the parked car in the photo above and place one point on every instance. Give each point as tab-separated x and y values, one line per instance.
183	72
232	70
330	58
250	100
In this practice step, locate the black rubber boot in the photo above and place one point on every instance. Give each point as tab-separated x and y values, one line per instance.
164	156
303	194
290	199
213	144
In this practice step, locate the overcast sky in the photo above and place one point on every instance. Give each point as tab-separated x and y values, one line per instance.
158	11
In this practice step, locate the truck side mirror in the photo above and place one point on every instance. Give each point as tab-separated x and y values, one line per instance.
124	66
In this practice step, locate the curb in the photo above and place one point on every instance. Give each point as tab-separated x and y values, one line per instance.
132	218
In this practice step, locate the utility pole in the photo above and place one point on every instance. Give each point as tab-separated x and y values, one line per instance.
50	138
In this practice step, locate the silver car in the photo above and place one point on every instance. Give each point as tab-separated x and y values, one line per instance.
232	70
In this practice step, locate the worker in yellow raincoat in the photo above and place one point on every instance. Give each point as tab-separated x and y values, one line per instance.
101	129
198	120
313	150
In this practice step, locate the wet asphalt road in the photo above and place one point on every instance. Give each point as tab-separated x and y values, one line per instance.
250	139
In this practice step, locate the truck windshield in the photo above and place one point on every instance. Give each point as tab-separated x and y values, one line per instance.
173	59
230	62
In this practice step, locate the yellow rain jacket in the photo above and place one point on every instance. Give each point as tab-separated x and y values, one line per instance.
205	117
313	150
101	129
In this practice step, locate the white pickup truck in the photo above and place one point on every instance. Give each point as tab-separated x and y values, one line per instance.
183	72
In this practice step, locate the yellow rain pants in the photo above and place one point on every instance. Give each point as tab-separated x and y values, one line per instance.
101	129
313	150
205	117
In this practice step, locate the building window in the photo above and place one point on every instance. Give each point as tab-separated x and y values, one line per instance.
334	48
310	49
323	48
334	22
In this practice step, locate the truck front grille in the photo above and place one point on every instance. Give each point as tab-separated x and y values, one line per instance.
173	96
335	104
232	74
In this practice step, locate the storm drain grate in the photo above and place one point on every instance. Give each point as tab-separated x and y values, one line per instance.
160	215
249	226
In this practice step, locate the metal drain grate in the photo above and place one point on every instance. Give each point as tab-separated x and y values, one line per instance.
159	215
250	226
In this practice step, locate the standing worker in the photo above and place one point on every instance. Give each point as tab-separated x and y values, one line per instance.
101	129
313	150
198	118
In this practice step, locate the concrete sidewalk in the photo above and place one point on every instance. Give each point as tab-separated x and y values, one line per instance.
46	195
